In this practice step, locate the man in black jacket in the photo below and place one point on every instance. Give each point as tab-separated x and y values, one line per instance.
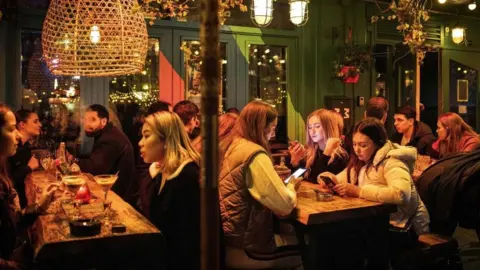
112	152
411	132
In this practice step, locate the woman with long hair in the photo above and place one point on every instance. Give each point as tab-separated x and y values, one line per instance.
11	215
380	171
226	122
454	136
323	148
251	191
174	205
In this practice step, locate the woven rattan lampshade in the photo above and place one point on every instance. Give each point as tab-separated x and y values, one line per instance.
94	38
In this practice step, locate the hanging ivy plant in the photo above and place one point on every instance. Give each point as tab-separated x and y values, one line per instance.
411	15
179	9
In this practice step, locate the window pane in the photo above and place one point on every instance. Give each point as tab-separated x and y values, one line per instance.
192	64
54	98
268	81
131	95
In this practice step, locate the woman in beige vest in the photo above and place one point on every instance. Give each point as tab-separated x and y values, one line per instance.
251	192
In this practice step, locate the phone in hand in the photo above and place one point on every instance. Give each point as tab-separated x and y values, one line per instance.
296	174
329	183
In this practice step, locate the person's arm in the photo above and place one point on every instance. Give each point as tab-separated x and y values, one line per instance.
398	185
102	158
267	187
18	173
424	146
470	144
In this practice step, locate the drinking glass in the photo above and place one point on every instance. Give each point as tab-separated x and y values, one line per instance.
106	181
73	183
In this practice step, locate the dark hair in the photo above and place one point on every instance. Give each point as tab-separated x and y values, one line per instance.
233	110
186	110
407	110
377	107
4	178
158	106
375	130
101	111
22	115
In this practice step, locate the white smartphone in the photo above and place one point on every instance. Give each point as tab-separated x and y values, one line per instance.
296	174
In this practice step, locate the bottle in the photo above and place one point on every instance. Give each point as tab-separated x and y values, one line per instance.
61	153
62	167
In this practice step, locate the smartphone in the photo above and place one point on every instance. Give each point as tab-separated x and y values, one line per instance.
296	174
329	182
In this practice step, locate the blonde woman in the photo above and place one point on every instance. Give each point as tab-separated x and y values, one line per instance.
454	136
174	206
323	151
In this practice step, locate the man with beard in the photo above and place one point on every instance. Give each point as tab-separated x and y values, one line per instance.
189	112
112	152
23	162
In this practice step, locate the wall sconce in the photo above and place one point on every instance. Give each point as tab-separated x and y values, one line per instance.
472	5
261	12
458	34
299	12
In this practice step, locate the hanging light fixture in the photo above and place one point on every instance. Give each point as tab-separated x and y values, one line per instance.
299	12
442	1
94	38
458	34
472	5
261	12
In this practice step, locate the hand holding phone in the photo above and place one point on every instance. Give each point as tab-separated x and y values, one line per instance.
328	182
296	174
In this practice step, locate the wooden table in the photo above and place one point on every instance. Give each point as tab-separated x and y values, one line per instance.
342	232
141	246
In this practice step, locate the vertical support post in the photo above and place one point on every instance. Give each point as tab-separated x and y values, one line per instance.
417	83
210	216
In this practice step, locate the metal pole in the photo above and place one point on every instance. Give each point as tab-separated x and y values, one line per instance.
417	84
210	216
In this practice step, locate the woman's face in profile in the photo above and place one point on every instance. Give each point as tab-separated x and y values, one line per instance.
9	136
152	147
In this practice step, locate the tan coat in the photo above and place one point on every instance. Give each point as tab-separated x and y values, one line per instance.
247	224
389	180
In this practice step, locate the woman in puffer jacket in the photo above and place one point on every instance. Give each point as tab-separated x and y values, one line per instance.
380	171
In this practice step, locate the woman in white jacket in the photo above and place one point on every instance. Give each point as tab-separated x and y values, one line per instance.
380	171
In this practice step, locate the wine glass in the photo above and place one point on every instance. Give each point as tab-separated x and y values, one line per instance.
106	181
73	183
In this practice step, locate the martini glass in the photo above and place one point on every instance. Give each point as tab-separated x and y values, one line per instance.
106	181
73	183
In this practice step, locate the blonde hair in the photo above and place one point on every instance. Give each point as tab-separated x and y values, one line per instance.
456	129
332	125
169	127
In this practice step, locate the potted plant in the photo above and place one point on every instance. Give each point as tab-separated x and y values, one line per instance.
352	61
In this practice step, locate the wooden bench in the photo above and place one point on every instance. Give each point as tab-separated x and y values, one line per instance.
433	251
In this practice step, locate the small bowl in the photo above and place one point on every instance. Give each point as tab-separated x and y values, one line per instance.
85	227
323	197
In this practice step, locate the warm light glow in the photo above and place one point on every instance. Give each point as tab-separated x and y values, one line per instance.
262	12
298	12
458	34
442	1
95	34
472	5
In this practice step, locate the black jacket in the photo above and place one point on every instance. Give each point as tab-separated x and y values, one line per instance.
112	152
320	165
450	190
176	213
18	169
422	138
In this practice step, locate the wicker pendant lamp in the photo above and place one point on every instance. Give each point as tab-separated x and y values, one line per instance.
94	38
